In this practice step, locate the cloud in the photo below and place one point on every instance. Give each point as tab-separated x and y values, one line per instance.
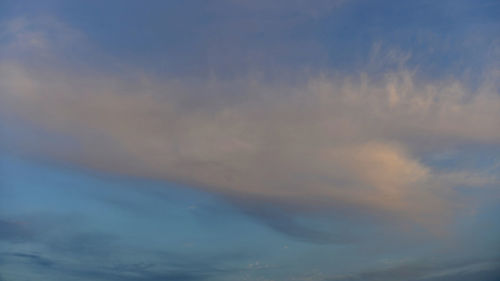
325	140
44	267
438	271
69	248
30	258
285	221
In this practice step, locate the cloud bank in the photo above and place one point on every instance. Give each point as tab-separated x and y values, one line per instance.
322	140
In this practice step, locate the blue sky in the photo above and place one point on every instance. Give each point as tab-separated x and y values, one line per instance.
250	140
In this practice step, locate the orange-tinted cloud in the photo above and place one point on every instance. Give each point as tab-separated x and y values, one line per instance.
350	139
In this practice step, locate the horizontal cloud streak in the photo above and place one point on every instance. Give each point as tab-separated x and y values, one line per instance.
476	270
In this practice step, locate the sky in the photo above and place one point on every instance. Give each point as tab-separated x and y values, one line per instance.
320	140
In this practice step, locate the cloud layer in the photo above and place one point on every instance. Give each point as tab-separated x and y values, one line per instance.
322	140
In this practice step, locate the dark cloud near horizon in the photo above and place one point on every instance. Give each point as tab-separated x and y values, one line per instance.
480	269
62	248
99	260
34	259
44	267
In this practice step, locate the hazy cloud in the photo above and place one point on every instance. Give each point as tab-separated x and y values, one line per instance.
328	139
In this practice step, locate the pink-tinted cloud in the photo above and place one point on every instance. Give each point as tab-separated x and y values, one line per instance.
353	140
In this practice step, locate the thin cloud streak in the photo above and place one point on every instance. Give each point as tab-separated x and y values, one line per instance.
437	271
